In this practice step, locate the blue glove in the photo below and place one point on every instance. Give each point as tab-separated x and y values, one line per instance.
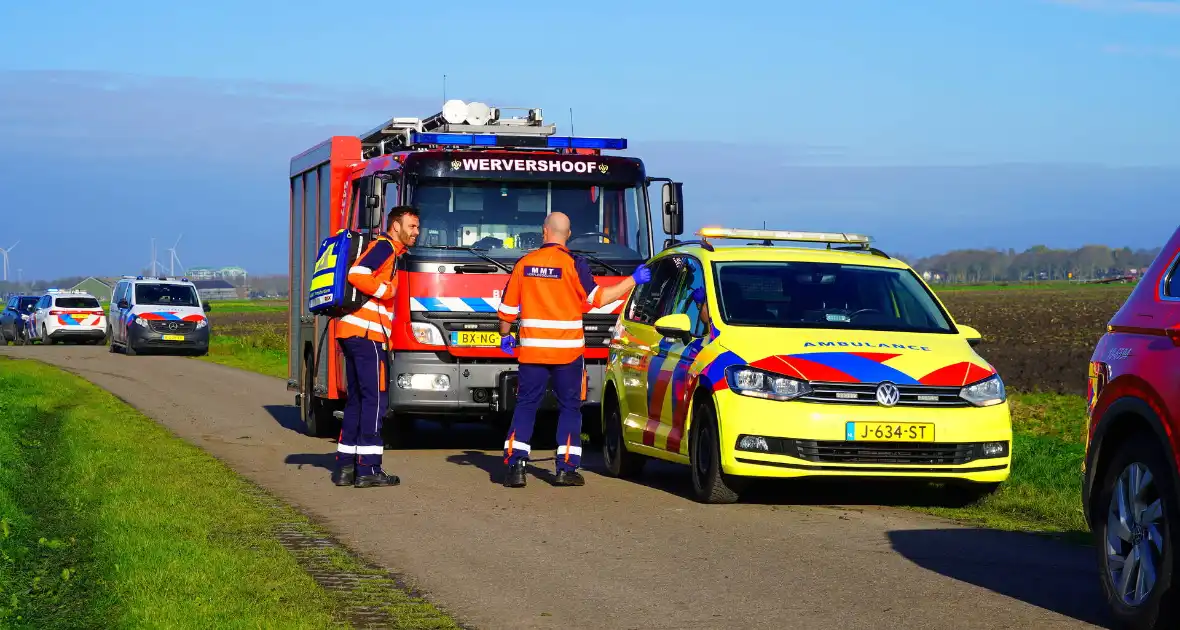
507	344
642	274
698	295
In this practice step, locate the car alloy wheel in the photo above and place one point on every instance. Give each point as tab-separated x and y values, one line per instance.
1135	541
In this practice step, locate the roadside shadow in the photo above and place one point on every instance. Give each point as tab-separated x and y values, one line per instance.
287	416
327	461
493	465
675	479
1048	574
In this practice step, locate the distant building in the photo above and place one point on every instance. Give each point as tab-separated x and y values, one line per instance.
95	287
216	290
215	273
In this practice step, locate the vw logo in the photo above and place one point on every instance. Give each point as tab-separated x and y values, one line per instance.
174	326
887	394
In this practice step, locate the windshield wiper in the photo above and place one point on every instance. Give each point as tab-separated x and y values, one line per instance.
477	252
597	260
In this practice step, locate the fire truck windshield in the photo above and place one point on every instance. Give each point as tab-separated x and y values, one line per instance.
503	219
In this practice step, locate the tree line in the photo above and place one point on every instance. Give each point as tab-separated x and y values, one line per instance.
1091	262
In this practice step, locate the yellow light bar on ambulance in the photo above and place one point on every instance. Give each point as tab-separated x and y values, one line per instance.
783	235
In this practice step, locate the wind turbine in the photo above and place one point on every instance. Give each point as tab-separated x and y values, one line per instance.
5	252
173	258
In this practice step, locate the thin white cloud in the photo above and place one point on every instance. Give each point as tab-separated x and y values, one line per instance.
1156	7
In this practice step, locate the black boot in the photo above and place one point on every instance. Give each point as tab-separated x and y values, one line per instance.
345	475
377	479
569	478
515	475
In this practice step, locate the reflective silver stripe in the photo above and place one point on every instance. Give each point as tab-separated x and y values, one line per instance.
366	324
369	450
590	298
509	310
359	269
343	448
380	292
552	343
557	324
373	306
516	446
572	450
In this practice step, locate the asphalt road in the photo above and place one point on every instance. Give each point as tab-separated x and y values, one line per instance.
612	554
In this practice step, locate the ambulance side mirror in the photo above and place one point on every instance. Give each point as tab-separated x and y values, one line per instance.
673	205
971	335
675	326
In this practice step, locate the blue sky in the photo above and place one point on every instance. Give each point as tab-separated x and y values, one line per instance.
931	124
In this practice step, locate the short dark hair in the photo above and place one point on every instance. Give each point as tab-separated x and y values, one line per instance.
397	212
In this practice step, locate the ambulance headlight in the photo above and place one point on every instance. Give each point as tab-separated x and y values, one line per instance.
427	334
424	382
990	391
749	381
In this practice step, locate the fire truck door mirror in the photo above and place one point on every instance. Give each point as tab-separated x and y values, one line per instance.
372	214
673	208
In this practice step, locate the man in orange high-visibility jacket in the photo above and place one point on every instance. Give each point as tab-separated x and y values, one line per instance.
364	339
549	290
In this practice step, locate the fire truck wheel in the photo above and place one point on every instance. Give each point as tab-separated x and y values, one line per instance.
317	416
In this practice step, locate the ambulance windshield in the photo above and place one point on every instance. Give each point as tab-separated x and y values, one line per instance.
826	295
503	218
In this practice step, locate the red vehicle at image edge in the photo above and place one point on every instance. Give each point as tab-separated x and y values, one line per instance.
1131	490
483	185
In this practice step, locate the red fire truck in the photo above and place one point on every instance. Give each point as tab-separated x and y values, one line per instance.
483	184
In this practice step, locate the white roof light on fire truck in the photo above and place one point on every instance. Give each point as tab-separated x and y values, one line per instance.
478	114
784	235
455	111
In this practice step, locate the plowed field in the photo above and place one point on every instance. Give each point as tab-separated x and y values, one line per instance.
1039	339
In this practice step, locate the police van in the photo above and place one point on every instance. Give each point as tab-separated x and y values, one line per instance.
157	314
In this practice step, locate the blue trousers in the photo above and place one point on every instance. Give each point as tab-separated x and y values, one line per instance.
568	382
366	366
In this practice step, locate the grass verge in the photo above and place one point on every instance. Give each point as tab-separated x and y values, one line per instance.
247	352
1044	493
109	521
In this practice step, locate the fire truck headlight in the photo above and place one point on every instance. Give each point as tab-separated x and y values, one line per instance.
427	334
424	382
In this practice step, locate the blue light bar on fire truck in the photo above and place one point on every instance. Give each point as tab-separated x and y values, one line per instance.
785	235
507	140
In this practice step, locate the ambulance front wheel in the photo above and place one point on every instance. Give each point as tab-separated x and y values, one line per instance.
709	483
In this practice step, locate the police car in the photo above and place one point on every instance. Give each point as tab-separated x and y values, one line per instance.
762	360
68	316
158	314
15	316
